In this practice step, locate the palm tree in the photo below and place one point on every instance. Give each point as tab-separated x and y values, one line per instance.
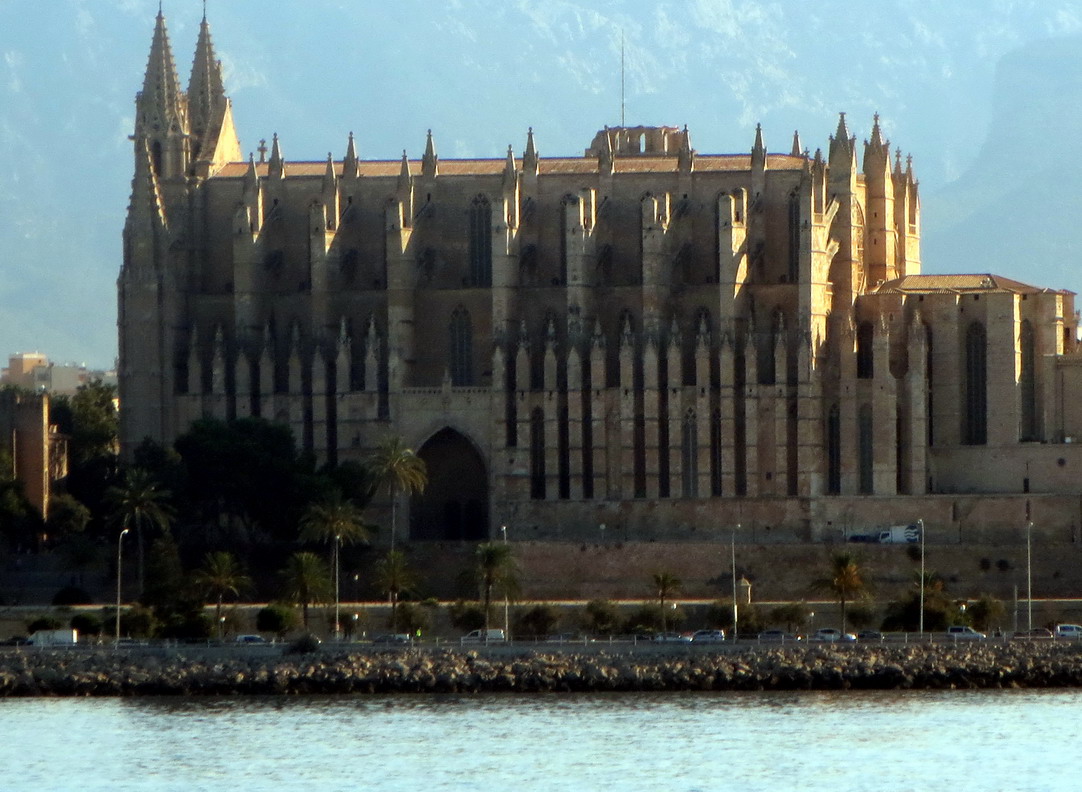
334	519
496	570
394	576
306	581
845	581
666	585
219	576
138	504
396	469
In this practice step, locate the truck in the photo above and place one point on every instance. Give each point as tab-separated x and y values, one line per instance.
900	534
54	638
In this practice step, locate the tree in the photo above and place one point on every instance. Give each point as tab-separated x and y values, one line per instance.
987	613
496	571
396	469
306	581
845	581
538	621
665	586
90	420
601	617
219	577
336	521
138	504
277	619
394	577
67	516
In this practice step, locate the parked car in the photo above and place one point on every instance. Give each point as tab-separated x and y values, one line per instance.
961	632
484	636
671	638
708	636
831	635
1036	634
250	639
1069	631
870	636
778	636
392	638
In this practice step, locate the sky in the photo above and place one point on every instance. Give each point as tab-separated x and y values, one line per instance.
986	96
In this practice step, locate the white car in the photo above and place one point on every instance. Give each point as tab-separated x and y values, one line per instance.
708	636
484	637
1068	631
960	632
830	635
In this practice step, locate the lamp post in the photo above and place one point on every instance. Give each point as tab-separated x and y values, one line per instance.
602	527
337	598
119	577
920	522
732	554
1029	577
506	622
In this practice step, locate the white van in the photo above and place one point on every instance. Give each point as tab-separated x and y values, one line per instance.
1069	631
484	636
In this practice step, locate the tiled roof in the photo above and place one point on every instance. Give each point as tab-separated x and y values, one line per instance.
554	165
959	284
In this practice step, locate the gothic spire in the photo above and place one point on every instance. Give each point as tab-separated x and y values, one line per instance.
161	102
206	91
686	155
350	165
529	158
277	167
404	177
798	150
842	153
758	149
430	162
146	198
510	170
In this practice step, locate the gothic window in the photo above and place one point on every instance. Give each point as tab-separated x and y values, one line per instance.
480	242
537	454
349	264
834	451
156	158
864	442
929	383
715	453
563	440
604	266
793	275
975	422
461	338
865	350
1027	382
689	457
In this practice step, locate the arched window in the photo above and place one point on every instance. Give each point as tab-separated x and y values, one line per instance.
689	456
864	442
480	242
461	339
715	453
975	422
537	454
834	451
1027	382
156	158
865	350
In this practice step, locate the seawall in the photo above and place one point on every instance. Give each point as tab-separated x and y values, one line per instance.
508	670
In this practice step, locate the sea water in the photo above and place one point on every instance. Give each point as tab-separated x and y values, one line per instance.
971	740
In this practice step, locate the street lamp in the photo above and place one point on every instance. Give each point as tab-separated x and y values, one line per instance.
602	527
1029	576
119	577
732	552
920	522
337	598
506	614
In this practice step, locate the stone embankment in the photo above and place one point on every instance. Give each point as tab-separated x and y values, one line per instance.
120	673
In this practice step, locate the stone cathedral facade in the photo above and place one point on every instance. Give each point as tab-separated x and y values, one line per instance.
642	341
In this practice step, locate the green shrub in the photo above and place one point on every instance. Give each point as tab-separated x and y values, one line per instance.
792	616
601	617
44	623
276	618
306	644
414	617
537	622
466	616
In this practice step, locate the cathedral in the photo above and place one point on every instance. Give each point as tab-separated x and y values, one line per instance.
640	342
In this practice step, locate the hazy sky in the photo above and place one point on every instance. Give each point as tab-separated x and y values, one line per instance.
480	73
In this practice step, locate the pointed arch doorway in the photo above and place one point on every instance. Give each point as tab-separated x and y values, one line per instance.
454	505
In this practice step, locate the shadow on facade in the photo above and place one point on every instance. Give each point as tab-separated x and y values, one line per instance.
454	505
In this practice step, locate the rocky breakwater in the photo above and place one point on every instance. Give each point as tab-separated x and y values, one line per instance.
108	673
